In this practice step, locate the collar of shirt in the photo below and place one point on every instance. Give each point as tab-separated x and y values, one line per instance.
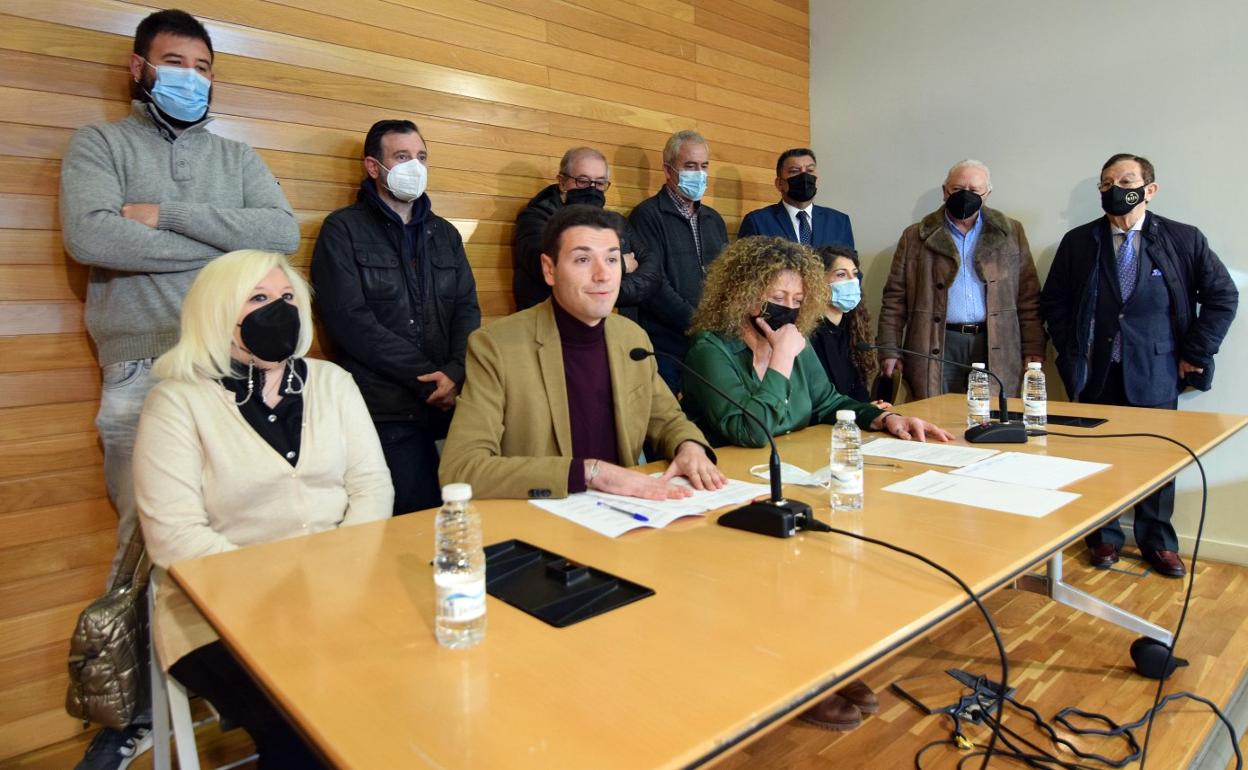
810	213
1118	232
688	209
958	235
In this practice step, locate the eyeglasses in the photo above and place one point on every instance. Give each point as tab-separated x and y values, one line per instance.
582	182
1103	186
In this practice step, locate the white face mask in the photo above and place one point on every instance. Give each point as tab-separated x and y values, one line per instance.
407	180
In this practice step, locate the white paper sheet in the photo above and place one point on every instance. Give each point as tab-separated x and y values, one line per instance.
993	495
1042	471
930	452
590	509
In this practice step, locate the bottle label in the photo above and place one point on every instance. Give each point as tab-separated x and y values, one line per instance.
460	597
846	480
1035	408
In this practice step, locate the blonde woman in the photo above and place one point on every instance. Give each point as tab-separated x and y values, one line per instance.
243	441
763	296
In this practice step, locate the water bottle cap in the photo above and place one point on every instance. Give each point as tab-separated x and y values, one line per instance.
979	366
1035	366
847	415
456	493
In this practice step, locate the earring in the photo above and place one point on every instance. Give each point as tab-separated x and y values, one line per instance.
291	377
251	383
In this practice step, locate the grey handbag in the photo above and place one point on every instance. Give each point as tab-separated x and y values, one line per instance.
108	652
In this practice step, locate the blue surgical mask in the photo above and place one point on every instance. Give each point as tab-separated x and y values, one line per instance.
180	92
692	184
845	295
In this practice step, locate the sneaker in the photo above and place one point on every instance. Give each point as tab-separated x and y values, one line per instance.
116	749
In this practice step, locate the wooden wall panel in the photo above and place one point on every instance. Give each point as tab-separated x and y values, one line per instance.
500	88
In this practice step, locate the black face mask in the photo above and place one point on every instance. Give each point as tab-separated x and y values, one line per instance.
588	196
778	315
1118	201
963	204
272	332
802	187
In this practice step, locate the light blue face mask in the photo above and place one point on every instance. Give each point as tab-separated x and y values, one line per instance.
845	295
692	184
180	92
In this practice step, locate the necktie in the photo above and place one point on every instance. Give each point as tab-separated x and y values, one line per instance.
803	228
1128	271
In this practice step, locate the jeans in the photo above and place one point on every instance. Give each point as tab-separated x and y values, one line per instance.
125	385
412	457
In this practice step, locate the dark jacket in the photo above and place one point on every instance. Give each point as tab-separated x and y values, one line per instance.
526	256
659	225
391	311
829	227
1193	276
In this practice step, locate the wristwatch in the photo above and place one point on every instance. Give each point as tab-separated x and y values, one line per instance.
591	475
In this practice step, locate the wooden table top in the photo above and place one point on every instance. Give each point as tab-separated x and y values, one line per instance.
742	630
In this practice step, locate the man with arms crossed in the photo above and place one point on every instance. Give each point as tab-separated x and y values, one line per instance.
145	203
553	404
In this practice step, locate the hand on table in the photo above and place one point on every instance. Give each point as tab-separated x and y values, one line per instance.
692	462
617	480
912	428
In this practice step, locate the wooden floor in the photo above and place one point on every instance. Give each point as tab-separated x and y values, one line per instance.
1058	657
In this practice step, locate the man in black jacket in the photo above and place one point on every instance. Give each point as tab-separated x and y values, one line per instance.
584	177
398	300
1137	306
685	236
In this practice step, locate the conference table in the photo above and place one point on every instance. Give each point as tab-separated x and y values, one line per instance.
743	631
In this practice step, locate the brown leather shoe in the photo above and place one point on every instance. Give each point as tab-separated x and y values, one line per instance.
1165	563
1104	556
857	693
833	713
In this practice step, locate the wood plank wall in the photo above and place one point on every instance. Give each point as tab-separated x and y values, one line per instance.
500	88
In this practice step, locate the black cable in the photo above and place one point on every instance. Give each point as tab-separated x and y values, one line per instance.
1191	583
996	635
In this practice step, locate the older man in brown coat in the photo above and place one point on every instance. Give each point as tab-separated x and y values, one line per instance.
963	287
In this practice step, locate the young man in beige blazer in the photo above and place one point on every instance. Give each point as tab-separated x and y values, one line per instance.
553	404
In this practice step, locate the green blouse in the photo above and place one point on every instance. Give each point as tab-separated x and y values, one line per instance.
783	405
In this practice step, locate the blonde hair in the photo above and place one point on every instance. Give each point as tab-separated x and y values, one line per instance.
210	313
739	278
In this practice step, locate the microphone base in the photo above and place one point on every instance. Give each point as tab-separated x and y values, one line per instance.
997	433
775	519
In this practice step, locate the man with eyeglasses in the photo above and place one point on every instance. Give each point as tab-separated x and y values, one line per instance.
962	286
685	235
584	178
146	202
1137	306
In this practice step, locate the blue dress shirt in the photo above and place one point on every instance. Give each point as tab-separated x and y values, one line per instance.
968	303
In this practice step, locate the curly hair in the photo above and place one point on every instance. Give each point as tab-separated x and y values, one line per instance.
739	279
859	318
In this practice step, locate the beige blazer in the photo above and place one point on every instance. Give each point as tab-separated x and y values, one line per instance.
205	482
511	435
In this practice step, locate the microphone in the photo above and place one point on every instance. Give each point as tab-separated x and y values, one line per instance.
1003	432
776	517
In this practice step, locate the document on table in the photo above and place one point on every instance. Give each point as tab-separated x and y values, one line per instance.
929	452
1041	471
613	515
982	493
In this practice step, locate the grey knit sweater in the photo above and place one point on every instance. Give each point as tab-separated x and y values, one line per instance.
215	195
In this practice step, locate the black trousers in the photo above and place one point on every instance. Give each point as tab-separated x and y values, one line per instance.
212	673
964	348
1153	529
412	457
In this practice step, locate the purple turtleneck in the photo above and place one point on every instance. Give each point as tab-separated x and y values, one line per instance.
591	404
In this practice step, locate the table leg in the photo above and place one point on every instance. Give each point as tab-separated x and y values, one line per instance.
1064	593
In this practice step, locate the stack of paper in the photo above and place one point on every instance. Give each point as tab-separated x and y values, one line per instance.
931	452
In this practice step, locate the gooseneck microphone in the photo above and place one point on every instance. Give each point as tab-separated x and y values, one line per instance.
776	517
1003	432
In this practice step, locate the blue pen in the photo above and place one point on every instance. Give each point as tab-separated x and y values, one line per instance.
632	514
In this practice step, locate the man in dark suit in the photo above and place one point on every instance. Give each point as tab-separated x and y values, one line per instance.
796	217
1137	306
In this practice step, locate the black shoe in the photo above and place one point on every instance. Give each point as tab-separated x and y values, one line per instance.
116	749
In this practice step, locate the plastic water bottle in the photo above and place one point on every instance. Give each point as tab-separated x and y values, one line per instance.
978	397
459	570
846	463
1035	402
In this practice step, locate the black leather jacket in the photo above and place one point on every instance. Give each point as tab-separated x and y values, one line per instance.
395	304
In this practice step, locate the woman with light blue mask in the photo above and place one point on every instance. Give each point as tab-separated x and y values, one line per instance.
846	322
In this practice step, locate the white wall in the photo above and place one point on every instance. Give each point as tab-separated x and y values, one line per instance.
1044	93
